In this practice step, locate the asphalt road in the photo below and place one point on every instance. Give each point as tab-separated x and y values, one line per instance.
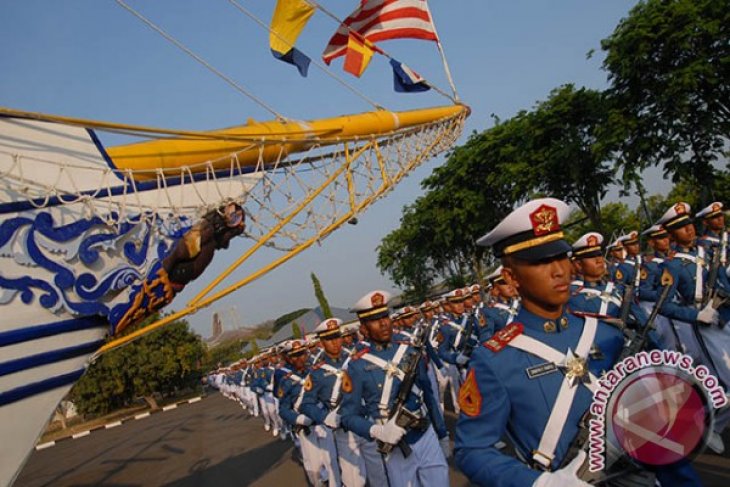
211	442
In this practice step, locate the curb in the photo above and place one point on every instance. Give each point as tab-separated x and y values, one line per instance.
114	424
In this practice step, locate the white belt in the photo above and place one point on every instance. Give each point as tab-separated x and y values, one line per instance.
559	415
391	370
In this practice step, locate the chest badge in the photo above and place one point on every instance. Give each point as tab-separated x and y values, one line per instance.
575	368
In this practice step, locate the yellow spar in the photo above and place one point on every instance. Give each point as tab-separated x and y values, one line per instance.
265	141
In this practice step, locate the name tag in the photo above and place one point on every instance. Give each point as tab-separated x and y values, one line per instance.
542	369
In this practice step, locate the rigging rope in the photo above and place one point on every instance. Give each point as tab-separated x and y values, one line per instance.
202	61
454	99
326	70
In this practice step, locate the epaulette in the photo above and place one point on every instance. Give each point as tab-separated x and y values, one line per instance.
318	365
500	339
359	354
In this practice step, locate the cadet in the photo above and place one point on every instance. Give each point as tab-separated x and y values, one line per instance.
617	254
373	379
627	271
501	308
699	322
451	349
321	402
349	338
290	392
509	387
715	236
651	270
430	324
598	296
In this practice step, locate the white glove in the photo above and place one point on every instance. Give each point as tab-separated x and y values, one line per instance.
303	420
565	477
388	432
332	420
461	359
445	445
708	315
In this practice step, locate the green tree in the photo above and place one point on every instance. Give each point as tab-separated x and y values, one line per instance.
321	298
555	150
296	330
566	154
163	362
668	67
617	219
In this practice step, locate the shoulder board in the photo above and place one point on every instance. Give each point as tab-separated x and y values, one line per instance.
288	375
500	339
318	365
359	354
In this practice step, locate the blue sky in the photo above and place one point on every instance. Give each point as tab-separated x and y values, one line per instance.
91	58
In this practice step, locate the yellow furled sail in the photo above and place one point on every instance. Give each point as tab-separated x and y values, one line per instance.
279	140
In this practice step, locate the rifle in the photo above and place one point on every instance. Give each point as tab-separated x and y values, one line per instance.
627	299
466	346
711	293
403	417
622	465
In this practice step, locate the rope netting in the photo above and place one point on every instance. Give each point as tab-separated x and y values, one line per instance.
302	198
287	201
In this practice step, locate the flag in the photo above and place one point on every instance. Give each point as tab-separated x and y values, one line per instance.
379	20
288	21
405	80
359	54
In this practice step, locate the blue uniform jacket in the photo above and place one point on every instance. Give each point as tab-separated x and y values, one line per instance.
591	304
364	384
496	318
288	390
651	271
512	402
449	331
318	388
680	305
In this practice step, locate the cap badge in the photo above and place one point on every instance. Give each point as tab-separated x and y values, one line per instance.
680	208
592	241
377	299
544	220
716	207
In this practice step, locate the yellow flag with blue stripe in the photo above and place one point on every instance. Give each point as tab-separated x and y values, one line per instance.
289	19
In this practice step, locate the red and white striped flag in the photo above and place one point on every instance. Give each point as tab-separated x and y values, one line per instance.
379	20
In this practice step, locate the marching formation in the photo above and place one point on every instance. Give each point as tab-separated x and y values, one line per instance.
519	357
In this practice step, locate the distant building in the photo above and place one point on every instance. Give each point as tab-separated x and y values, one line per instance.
217	326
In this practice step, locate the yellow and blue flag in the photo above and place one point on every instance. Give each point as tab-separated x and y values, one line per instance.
405	80
288	21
